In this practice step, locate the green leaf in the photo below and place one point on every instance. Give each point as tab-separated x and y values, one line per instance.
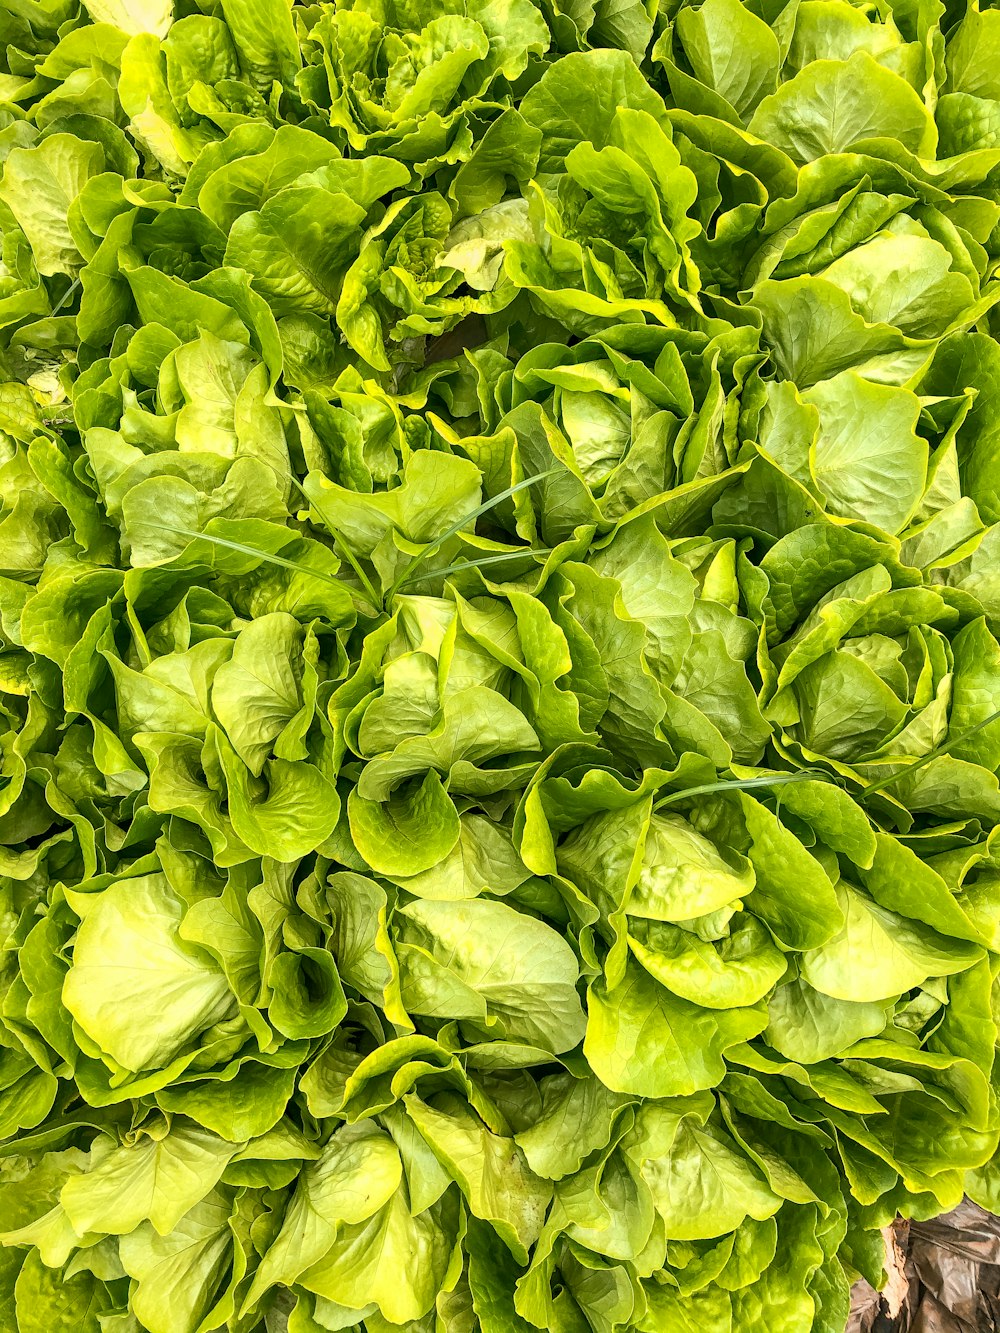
878	954
832	106
701	1184
737	970
576	99
643	1040
807	1026
367	1262
357	1173
129	960
407	834
867	459
476	724
44	1299
178	1274
157	1179
257	693
490	1170
487	961
731	51
265	38
297	247
576	1117
39	184
287	812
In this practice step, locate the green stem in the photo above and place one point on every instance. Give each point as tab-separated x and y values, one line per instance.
742	784
486	560
342	546
266	556
457	527
932	755
66	297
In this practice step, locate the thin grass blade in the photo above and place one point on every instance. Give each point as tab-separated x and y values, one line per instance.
462	523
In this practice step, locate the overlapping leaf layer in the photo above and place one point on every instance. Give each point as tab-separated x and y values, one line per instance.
499	585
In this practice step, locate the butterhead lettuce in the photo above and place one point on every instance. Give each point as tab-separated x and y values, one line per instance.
499	660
